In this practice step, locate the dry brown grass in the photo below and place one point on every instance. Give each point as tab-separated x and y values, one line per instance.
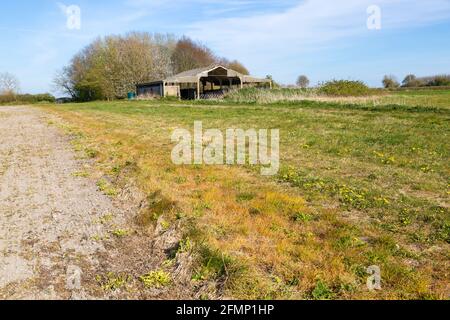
280	241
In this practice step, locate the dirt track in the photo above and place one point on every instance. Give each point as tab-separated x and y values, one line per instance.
47	214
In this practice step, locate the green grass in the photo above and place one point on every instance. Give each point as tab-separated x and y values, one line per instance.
428	98
120	233
361	183
106	188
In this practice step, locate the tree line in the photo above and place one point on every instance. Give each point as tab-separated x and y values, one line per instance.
391	82
411	81
112	66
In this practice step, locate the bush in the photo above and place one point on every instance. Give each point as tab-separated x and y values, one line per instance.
26	98
411	81
35	98
439	81
7	98
345	88
390	82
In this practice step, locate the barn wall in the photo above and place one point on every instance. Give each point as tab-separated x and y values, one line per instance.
153	90
172	91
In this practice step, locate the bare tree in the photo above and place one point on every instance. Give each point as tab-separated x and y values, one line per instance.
64	83
237	66
9	84
112	66
411	81
303	81
191	55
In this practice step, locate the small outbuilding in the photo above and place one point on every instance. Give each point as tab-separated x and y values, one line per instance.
202	83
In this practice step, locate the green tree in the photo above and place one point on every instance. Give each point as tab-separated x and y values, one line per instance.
111	67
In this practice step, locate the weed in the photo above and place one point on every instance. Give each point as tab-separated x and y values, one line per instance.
120	233
80	174
180	180
185	245
156	279
91	153
301	217
244	197
105	219
157	206
213	264
106	188
113	281
321	291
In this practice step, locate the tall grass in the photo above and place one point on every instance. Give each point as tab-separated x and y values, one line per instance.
255	95
328	91
378	97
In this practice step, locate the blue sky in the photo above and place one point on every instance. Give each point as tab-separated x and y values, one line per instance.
323	39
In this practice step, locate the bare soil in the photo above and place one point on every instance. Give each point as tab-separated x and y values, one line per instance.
56	227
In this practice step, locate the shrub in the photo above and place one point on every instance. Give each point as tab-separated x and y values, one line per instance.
7	98
344	88
390	82
439	81
27	98
411	81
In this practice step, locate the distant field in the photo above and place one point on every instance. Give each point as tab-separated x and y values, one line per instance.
408	98
429	98
362	183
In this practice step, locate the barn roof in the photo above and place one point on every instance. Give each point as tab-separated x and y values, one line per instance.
195	74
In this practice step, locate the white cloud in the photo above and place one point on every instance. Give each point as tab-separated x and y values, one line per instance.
310	25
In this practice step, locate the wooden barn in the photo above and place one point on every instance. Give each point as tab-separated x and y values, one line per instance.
202	83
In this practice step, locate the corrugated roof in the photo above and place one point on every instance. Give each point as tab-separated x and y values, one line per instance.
195	74
198	71
192	76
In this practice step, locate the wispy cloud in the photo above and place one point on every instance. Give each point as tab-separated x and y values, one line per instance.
319	37
317	21
310	25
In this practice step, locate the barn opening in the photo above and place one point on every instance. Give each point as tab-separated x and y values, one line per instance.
203	83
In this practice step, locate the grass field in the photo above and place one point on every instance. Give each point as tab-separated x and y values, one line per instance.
361	184
424	98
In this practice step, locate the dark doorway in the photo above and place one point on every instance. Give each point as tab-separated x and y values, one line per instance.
188	94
